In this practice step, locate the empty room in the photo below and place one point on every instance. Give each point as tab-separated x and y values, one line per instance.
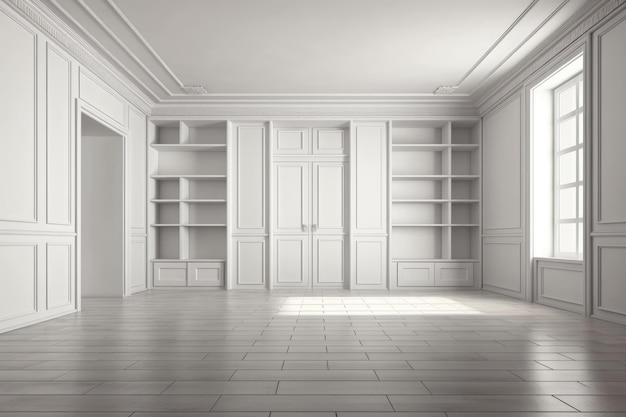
312	208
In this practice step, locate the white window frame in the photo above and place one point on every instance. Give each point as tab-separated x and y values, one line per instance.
578	184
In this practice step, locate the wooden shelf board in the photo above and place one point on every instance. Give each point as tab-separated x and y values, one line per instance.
420	177
435	260
464	147
419	147
432	201
464	177
207	177
184	147
199	201
188	225
189	260
419	225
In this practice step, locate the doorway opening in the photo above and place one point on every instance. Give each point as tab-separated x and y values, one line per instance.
102	236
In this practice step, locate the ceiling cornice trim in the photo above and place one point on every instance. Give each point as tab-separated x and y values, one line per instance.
327	110
37	14
552	47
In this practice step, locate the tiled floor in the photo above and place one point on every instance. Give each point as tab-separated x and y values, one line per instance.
326	353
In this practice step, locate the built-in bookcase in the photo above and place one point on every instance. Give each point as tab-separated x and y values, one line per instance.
435	197
190	198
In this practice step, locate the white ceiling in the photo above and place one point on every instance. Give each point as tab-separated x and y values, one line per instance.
308	49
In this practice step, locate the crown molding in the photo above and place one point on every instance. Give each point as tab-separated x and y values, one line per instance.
548	50
36	13
326	110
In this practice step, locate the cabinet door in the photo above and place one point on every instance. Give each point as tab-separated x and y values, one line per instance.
415	274
454	274
329	197
170	274
291	260
329	256
369	262
291	141
249	264
205	274
329	141
248	172
369	178
291	208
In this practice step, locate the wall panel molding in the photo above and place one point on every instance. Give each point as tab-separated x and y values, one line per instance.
36	13
59	135
59	275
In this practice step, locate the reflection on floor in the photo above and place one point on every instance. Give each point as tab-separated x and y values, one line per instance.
314	353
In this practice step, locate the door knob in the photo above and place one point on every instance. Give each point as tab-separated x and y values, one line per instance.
304	229
314	228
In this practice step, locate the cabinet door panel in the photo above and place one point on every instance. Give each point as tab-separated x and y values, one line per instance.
454	274
328	260
205	274
369	262
291	141
291	260
291	209
249	198
329	142
415	274
329	197
170	274
369	178
249	263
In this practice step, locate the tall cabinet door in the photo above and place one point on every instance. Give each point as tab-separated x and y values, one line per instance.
291	224
291	206
329	198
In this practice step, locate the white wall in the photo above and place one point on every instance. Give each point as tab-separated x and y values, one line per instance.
38	212
37	177
608	234
503	200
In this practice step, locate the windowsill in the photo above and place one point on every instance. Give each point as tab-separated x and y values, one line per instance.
578	261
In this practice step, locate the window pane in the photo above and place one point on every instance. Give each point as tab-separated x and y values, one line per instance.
567	238
567	203
581	202
567	133
581	165
567	100
581	239
581	130
567	168
581	101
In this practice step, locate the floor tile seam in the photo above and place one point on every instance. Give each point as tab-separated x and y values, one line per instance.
166	388
566	403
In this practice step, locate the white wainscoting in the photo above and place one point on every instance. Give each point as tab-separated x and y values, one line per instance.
560	283
503	266
249	268
60	288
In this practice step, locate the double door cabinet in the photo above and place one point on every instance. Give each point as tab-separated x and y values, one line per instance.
281	204
309	224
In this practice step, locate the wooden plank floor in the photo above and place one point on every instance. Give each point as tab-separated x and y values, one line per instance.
321	353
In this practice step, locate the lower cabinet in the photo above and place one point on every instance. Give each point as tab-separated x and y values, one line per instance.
439	274
188	274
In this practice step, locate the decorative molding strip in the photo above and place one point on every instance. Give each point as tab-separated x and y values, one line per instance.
545	53
34	11
10	232
316	110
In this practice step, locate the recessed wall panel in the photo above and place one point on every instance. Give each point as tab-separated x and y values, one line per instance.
18	159
250	174
18	280
502	168
502	266
58	139
611	138
59	275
